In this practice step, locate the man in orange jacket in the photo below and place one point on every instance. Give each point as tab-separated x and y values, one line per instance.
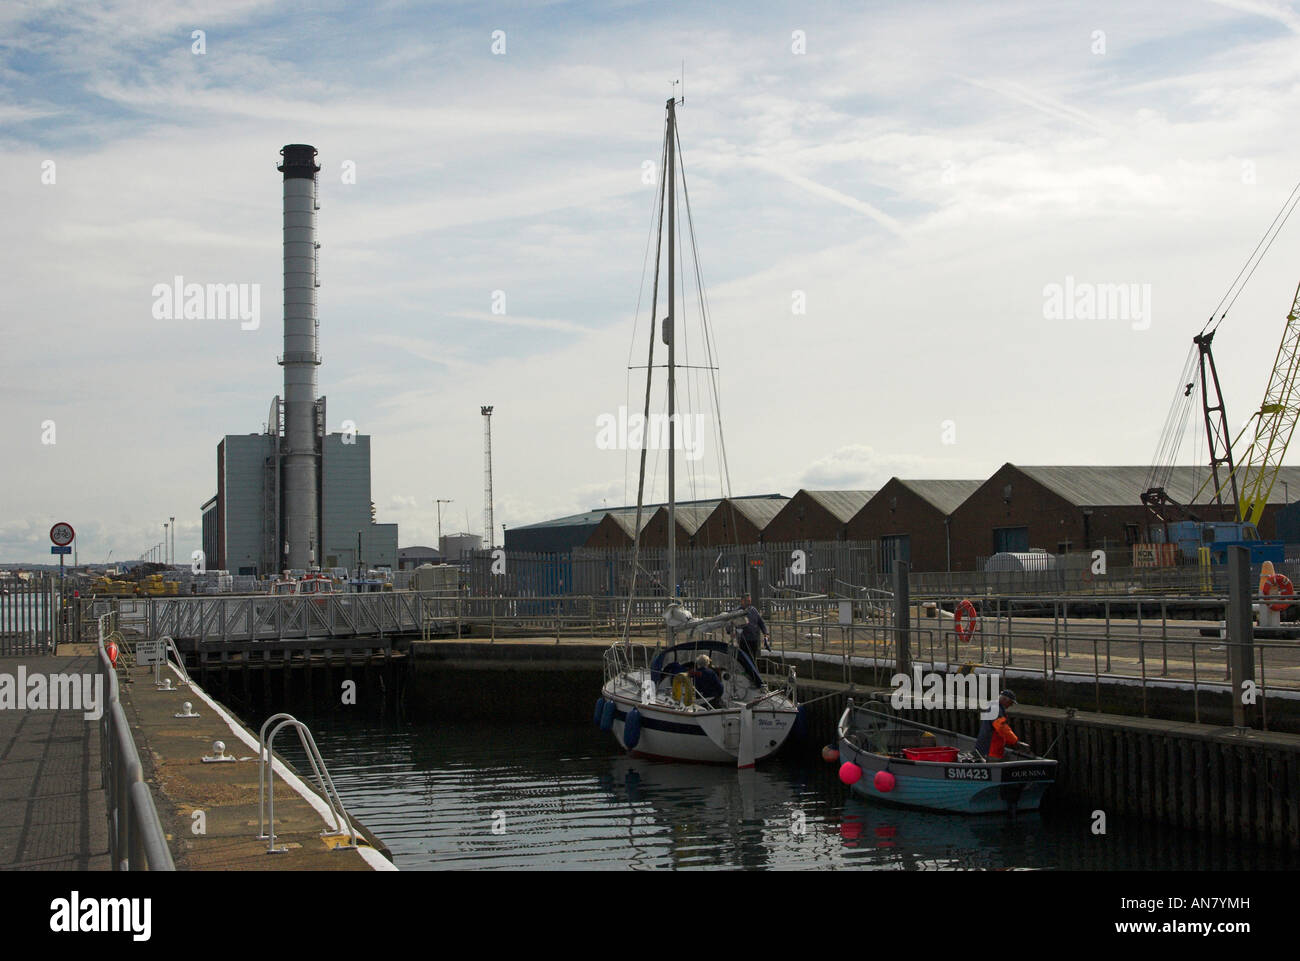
996	734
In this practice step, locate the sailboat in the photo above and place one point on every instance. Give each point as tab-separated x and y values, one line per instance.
649	699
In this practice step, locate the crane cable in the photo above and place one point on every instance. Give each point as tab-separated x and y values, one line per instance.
1257	256
1171	435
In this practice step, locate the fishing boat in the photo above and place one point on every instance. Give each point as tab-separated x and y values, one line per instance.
649	698
888	758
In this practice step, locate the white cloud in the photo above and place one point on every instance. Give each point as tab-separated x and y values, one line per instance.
920	214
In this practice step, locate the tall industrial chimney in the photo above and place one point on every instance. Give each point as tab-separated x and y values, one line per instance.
487	474
301	356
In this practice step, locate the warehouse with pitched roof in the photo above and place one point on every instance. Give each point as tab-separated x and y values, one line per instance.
739	520
1081	508
815	516
910	521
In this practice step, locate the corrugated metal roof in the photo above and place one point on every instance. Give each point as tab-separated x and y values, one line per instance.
842	504
627	521
690	516
596	515
944	495
758	511
1093	486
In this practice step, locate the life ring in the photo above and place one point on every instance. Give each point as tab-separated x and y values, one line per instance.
967	628
1283	585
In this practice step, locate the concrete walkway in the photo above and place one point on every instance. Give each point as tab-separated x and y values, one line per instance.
225	796
53	815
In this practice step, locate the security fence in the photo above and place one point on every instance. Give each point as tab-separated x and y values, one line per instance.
853	569
809	567
29	620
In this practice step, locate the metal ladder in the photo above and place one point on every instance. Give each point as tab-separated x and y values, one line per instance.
343	826
170	652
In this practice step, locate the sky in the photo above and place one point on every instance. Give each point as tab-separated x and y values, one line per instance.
886	199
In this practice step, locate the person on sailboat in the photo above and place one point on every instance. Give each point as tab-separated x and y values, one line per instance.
996	734
706	680
753	631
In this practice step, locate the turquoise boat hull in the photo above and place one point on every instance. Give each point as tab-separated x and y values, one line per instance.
958	787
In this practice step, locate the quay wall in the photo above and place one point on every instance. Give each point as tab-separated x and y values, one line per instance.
1208	778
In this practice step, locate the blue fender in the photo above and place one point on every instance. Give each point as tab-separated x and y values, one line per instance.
600	709
632	728
607	716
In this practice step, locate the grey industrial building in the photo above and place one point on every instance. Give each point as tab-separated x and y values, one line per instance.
295	496
241	524
409	558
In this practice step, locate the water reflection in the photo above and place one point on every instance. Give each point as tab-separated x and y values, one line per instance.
510	796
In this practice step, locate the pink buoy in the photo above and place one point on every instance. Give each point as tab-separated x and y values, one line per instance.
850	773
830	754
884	782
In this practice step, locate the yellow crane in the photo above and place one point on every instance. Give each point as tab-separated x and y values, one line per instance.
1274	422
1251	474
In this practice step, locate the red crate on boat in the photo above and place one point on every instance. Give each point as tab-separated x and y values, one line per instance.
940	754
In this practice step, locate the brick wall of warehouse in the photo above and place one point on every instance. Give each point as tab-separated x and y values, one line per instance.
898	511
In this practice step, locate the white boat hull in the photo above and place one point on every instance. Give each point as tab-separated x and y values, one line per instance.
705	736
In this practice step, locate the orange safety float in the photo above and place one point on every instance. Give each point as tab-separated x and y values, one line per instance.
1282	585
111	650
964	620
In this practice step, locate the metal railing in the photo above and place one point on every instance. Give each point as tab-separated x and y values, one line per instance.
1149	653
136	838
1059	633
235	618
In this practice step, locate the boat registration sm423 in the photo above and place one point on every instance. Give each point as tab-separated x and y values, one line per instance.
966	773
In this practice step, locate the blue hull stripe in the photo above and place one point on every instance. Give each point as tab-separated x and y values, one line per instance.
654	724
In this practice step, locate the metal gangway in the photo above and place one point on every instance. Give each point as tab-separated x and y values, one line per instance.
237	618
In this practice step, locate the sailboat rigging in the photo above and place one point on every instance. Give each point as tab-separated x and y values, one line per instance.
694	698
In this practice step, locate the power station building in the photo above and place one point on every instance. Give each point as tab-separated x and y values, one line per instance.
294	496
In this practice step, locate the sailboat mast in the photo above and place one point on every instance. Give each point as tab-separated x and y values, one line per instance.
671	337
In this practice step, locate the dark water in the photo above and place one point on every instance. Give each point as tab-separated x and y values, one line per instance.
521	796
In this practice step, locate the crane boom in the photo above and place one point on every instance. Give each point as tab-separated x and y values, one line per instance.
1274	424
1216	420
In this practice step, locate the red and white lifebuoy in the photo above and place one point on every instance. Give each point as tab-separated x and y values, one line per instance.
1282	585
964	620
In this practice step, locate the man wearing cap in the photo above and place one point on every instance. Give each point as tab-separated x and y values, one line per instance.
996	734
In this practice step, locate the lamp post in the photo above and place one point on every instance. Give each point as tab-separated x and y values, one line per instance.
440	503
173	560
